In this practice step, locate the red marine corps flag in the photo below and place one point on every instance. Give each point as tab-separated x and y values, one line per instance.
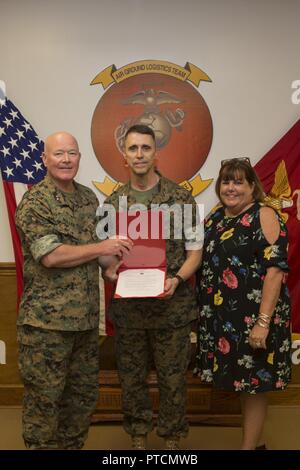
279	171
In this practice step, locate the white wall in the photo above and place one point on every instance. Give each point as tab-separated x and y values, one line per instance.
50	51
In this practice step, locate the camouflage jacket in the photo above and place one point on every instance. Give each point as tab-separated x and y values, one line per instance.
158	313
58	298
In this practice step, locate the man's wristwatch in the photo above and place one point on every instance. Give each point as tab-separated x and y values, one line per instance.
180	280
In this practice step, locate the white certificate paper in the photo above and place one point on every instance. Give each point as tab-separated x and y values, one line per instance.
140	283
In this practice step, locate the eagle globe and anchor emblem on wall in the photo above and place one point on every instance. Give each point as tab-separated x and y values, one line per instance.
163	96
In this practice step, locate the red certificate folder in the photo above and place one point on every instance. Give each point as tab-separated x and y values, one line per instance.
146	263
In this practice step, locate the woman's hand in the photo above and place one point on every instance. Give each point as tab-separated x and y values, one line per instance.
258	336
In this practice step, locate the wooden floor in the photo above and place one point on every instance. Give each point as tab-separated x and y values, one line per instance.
282	432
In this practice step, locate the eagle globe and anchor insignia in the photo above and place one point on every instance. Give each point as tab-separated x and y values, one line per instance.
159	95
160	121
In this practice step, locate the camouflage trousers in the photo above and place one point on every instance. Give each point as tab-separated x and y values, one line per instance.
170	351
60	371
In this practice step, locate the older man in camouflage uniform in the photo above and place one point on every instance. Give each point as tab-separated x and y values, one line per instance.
58	318
157	327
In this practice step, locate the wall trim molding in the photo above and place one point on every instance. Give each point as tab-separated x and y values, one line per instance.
204	406
7	269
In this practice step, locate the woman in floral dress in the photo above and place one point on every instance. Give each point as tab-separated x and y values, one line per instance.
244	332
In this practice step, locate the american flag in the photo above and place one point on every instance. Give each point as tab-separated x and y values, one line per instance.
21	167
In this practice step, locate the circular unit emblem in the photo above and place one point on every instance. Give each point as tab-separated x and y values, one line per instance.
174	109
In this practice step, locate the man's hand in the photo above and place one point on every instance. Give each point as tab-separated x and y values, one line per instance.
171	284
116	247
67	256
111	272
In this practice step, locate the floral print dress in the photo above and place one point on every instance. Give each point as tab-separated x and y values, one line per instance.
235	258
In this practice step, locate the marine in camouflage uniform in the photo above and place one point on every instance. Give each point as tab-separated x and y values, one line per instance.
158	329
58	318
59	312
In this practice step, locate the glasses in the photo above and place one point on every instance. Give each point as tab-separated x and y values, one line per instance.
233	160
